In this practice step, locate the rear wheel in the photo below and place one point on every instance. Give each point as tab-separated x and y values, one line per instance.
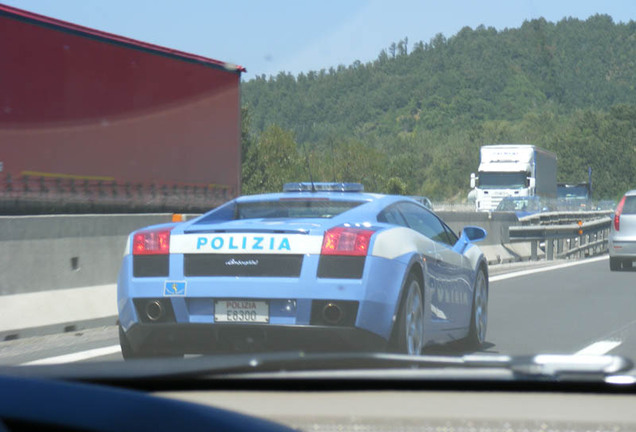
479	315
409	333
615	264
127	351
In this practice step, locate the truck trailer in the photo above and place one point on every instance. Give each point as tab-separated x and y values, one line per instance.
513	170
92	121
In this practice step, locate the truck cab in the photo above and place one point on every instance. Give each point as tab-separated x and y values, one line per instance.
513	170
574	196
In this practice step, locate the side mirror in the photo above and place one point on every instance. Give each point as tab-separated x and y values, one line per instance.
473	180
473	233
469	234
532	182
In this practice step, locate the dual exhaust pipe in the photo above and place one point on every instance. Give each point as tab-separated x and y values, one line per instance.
154	310
332	313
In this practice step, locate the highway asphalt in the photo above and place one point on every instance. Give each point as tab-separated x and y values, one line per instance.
566	308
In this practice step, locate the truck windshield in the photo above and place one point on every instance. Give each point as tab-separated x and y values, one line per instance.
572	191
502	180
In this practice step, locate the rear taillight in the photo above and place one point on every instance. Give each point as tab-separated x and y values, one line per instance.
151	242
617	215
346	241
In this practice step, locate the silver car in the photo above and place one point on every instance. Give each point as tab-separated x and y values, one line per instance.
622	239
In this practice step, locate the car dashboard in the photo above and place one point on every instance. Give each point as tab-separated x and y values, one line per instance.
444	411
444	399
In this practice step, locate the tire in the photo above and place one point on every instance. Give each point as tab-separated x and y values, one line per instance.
408	335
479	313
127	351
615	264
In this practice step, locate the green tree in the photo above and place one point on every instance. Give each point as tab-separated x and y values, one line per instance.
396	186
421	116
271	162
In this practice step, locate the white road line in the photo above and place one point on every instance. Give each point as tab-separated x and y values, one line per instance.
75	357
598	348
544	269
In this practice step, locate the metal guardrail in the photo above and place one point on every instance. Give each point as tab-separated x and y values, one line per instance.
573	234
563	217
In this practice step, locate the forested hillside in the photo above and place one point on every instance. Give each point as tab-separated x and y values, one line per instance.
412	121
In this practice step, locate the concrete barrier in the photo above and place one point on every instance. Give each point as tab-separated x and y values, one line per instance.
496	246
43	253
58	273
57	311
496	224
53	269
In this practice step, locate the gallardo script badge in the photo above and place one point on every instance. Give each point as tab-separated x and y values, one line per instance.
240	262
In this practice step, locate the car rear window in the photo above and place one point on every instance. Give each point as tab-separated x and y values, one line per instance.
279	209
293	208
630	205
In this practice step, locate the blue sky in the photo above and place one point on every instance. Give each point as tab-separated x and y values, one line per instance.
270	36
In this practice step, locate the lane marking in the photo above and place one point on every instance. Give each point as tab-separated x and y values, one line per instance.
598	348
545	269
75	357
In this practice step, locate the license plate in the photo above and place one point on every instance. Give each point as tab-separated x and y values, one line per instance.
241	311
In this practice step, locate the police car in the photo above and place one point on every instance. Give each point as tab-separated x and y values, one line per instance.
320	266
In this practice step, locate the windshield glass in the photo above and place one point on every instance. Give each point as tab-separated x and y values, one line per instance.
502	180
630	205
519	204
572	192
144	147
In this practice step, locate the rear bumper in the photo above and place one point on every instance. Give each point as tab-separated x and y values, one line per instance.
175	338
376	294
622	248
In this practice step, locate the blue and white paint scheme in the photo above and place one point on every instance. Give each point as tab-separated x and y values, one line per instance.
310	269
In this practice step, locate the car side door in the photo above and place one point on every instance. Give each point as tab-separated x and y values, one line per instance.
447	267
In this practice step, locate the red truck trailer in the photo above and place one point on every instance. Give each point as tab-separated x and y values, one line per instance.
94	121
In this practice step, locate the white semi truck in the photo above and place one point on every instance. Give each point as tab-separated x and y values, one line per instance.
513	170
